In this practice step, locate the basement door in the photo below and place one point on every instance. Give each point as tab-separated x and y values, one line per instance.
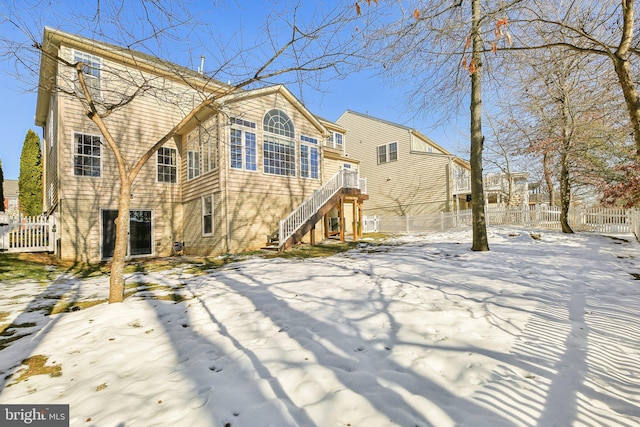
140	233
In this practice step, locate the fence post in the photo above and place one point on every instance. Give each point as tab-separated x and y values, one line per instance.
53	229
5	228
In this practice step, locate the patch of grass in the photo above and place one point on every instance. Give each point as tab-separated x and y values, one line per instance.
152	265
69	306
4	315
36	366
4	328
154	291
4	342
321	250
32	266
204	265
8	333
377	236
101	387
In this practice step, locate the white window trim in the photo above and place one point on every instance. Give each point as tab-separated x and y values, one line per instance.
310	145
128	255
158	164
387	147
195	139
331	143
213	228
244	130
280	139
73	155
89	77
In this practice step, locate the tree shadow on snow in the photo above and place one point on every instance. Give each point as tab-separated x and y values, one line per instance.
21	337
401	384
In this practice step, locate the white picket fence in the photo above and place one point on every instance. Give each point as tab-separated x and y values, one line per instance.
27	233
599	220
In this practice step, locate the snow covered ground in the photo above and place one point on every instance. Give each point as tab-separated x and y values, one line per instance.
418	331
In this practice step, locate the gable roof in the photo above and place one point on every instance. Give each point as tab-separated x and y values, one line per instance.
206	109
53	39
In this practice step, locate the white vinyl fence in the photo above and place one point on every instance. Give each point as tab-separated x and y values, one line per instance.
600	220
27	234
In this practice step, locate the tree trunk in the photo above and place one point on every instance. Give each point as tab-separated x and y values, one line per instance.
480	241
565	183
565	194
116	281
623	70
546	160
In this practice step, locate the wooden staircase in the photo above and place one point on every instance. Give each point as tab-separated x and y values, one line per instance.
304	218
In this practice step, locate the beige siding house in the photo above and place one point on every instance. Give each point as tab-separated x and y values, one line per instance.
222	183
407	173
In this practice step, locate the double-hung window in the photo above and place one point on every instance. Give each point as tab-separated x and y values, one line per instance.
86	155
207	215
335	140
92	71
193	154
309	157
202	151
278	148
243	146
388	152
167	165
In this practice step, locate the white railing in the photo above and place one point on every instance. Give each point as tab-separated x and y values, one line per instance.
344	178
27	233
370	224
462	184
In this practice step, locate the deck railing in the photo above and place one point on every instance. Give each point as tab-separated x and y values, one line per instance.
345	178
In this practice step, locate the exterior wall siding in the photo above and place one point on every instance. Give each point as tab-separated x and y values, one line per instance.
81	227
248	205
135	128
415	183
194	241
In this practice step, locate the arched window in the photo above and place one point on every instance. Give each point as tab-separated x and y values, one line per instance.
277	121
279	147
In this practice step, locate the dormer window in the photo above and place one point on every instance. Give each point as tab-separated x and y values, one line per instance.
335	140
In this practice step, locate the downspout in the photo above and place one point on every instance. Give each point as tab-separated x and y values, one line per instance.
226	185
451	187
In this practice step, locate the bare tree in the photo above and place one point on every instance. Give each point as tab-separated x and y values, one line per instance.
439	49
566	112
601	28
295	43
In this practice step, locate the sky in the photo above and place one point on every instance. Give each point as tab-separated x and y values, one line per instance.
415	330
364	92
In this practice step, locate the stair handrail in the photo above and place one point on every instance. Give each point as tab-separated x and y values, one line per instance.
344	178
